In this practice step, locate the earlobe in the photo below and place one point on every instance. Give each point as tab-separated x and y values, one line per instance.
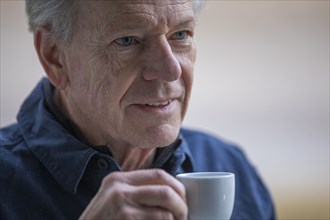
49	52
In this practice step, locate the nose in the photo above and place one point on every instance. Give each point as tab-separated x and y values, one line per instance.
161	63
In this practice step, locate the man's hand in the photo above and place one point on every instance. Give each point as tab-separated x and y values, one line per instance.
142	194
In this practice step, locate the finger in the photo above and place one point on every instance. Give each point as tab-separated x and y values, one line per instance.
143	213
148	177
161	196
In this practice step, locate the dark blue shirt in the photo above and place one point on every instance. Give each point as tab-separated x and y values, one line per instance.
48	172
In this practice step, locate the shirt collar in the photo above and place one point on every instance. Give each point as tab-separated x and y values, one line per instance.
187	165
175	158
51	143
49	90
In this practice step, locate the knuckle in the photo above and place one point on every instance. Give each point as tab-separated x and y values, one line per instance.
159	174
112	179
124	213
120	192
166	193
116	194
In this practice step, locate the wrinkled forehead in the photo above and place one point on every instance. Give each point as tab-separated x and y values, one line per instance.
115	5
113	11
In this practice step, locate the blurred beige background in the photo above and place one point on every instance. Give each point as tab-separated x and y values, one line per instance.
261	80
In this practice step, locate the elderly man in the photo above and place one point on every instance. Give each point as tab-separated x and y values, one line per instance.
101	136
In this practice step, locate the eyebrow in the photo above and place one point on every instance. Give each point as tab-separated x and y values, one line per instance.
190	23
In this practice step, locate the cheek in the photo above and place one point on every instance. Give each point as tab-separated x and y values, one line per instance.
187	61
90	81
107	81
187	64
187	77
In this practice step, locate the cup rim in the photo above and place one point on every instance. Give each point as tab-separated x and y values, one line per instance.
205	175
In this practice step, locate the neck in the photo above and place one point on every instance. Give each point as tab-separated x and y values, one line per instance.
133	158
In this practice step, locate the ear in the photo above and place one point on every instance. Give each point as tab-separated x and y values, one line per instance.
49	52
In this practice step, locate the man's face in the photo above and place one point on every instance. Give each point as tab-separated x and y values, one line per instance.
130	69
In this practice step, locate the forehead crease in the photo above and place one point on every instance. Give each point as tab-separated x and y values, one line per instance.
155	2
113	9
156	14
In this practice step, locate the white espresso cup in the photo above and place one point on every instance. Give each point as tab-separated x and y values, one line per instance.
210	195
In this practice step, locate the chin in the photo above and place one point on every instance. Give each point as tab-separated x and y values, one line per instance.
160	136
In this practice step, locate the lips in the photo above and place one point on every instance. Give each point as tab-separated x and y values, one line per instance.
159	104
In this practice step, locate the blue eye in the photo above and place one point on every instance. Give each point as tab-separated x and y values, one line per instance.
181	35
126	41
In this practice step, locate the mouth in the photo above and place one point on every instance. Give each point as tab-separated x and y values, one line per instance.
159	104
158	107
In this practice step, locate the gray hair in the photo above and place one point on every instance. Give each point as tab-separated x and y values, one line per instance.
60	16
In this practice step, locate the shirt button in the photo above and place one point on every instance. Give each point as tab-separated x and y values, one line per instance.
102	164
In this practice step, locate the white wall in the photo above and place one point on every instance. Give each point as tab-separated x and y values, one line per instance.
261	80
